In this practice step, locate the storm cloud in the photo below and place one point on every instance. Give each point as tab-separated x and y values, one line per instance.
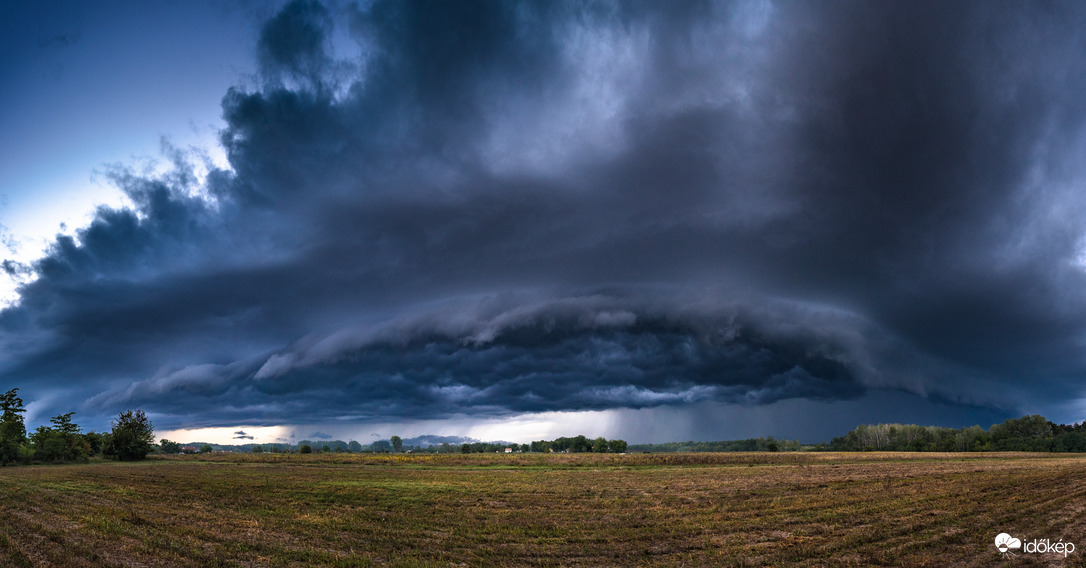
494	208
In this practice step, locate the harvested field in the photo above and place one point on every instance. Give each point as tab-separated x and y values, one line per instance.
787	509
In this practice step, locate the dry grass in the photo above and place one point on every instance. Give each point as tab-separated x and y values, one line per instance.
543	510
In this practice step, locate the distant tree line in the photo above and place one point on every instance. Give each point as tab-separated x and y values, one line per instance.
749	445
579	444
131	438
333	446
1031	433
395	445
488	447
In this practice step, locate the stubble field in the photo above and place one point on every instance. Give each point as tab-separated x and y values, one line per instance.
801	509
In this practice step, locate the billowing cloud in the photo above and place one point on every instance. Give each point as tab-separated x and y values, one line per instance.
498	208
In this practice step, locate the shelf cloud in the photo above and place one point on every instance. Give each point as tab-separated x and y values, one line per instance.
497	208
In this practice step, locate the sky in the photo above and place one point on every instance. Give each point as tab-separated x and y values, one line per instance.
523	220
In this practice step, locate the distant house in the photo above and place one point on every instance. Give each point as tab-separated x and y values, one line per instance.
508	450
189	450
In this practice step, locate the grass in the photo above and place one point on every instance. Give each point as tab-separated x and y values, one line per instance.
787	509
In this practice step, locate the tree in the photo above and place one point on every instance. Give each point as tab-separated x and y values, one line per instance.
48	445
305	449
381	446
465	448
133	436
617	446
1033	426
63	423
1071	442
397	443
167	447
206	449
12	427
62	442
599	445
96	441
354	446
258	450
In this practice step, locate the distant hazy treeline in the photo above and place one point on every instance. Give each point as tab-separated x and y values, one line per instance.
1026	434
749	445
575	444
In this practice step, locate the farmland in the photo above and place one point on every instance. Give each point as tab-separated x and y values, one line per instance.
725	509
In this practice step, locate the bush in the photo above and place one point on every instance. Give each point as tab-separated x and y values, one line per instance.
133	436
305	449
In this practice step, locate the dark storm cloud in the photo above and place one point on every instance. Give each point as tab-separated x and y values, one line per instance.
948	136
591	352
524	207
295	42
